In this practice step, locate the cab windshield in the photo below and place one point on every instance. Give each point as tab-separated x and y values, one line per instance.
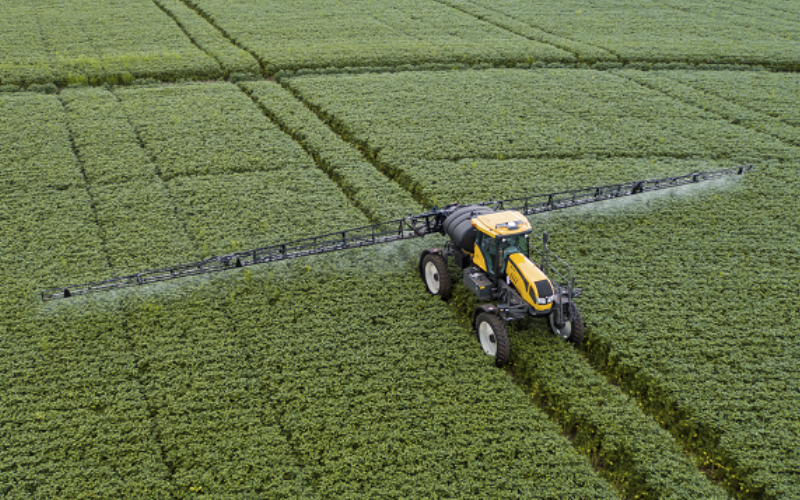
507	247
514	244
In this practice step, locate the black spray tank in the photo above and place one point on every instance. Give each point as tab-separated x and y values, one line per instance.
458	226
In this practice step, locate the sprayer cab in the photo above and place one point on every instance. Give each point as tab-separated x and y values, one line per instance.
493	249
502	250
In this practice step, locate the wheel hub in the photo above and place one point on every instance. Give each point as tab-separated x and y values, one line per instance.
487	338
432	277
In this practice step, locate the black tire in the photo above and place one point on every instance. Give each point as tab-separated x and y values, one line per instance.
491	333
433	269
573	330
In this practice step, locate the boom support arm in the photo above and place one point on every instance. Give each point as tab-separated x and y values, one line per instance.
413	226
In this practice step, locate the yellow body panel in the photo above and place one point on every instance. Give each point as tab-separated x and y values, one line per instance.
501	224
523	274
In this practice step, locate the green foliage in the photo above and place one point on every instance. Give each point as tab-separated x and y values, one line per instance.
671	31
235	212
196	129
475	135
233	59
35	148
314	34
95	42
370	191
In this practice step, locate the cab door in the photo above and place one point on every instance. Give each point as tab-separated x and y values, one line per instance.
485	252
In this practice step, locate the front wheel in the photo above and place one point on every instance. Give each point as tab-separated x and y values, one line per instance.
491	331
572	330
434	272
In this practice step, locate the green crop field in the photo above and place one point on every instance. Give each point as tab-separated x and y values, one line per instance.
141	134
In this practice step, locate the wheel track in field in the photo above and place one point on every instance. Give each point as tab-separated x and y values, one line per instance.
224	33
369	154
589	422
725	108
101	233
372	213
186	32
530	32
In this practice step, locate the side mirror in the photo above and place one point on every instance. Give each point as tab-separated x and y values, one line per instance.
545	237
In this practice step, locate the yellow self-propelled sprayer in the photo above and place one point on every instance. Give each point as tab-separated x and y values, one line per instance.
490	242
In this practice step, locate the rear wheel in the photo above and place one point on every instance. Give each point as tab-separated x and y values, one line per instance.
435	275
572	331
491	331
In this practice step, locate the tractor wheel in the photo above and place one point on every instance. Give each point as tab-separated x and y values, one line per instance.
571	331
435	275
491	331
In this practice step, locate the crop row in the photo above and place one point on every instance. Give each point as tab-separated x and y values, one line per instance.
713	270
760	101
692	313
95	42
302	380
313	34
431	130
653	32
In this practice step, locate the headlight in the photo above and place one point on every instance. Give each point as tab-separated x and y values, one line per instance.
543	301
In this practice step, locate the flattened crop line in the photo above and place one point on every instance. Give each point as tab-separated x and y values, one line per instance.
280	411
371	156
156	166
141	370
547	37
186	32
101	232
722	113
139	139
317	160
224	33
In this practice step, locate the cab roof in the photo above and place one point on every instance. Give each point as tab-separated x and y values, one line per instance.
507	223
